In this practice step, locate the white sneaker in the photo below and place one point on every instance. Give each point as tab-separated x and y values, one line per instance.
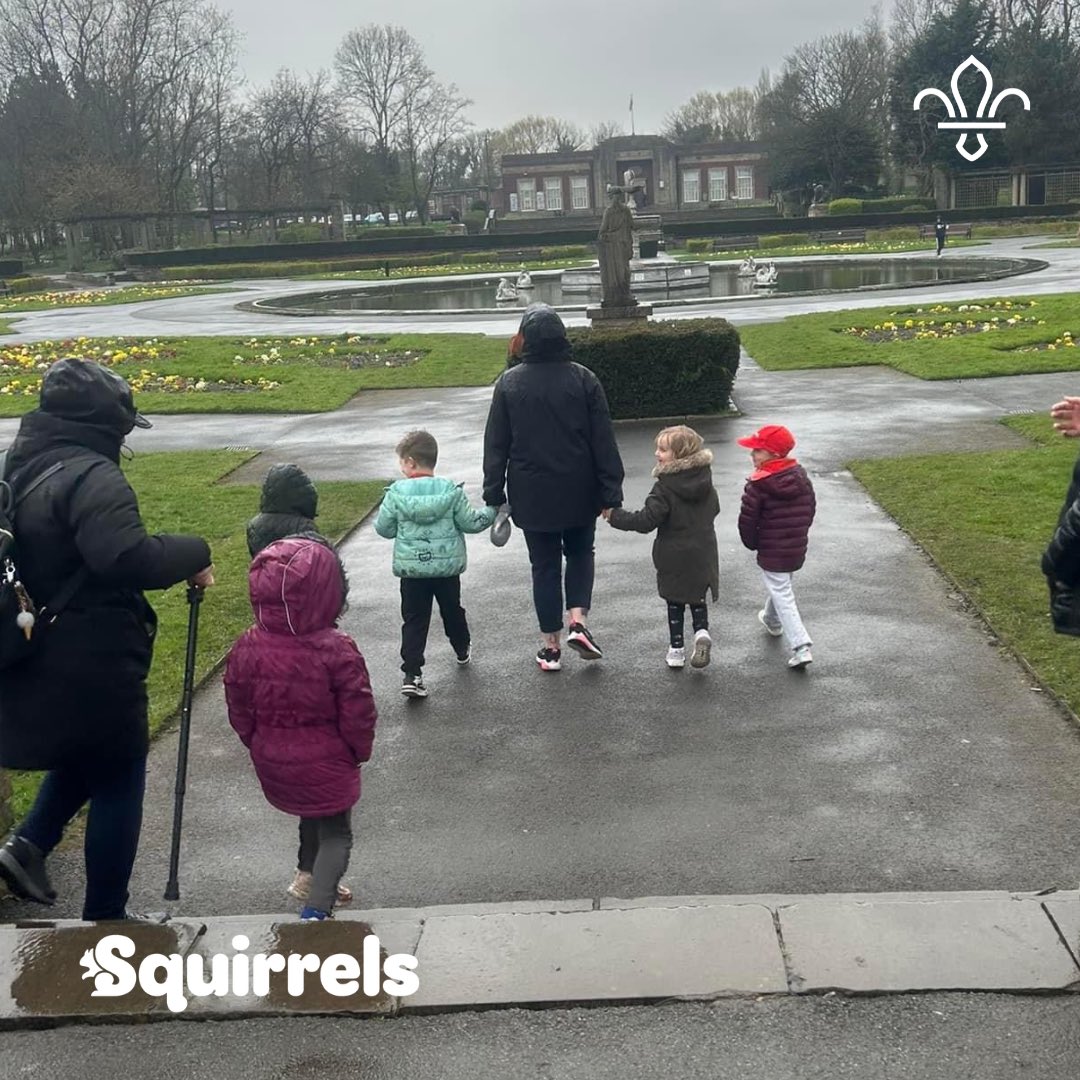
702	648
775	631
800	657
676	658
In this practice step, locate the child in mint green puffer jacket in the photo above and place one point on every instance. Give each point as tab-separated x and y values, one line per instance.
427	518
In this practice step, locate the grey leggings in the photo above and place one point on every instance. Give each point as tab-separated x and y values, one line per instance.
325	844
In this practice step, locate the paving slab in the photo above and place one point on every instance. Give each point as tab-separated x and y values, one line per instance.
644	954
1065	913
45	973
995	944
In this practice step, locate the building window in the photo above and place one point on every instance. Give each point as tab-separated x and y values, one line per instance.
553	192
691	186
526	190
744	182
717	185
579	192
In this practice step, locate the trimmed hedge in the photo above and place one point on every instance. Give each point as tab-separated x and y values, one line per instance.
30	285
902	203
662	369
10	267
698	245
846	206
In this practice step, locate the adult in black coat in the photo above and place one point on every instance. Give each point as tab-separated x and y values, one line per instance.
77	707
1061	560
550	446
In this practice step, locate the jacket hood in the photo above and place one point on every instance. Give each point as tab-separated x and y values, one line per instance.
287	489
423	499
543	334
89	393
689	477
40	431
296	587
790	483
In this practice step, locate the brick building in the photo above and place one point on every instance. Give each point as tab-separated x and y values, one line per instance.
675	177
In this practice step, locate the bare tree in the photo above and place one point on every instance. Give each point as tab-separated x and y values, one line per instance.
434	119
541	135
607	129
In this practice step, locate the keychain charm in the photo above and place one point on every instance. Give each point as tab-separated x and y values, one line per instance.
25	619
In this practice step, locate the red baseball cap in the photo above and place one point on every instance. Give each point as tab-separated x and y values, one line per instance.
772	437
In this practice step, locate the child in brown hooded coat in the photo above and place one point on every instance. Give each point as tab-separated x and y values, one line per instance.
681	508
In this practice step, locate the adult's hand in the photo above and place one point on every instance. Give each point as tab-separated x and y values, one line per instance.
1066	416
204	578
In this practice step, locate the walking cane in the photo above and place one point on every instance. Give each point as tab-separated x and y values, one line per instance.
194	599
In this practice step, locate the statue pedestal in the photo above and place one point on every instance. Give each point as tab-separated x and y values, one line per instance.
647	230
632	315
818	210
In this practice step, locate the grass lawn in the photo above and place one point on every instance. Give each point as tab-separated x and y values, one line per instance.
930	341
878	247
64	298
179	492
259	375
509	267
5	326
985	519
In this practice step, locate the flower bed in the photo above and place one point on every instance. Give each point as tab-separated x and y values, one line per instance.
57	298
987	319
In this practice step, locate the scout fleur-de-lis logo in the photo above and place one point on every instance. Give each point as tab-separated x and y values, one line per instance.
984	120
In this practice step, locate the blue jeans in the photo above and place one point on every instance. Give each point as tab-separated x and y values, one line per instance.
115	794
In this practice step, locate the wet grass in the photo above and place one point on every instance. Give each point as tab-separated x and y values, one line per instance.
180	492
824	340
985	519
310	374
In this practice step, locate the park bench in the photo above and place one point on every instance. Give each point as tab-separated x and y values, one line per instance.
955	229
735	243
839	236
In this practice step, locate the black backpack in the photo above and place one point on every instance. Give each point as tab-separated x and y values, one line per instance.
21	620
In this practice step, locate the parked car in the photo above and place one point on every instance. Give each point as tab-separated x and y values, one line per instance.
377	219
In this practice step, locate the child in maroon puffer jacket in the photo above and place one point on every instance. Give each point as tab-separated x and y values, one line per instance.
778	507
299	697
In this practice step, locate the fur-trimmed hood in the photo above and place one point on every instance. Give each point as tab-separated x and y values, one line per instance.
689	478
694	461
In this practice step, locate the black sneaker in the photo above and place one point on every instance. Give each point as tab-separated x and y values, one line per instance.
413	686
582	642
465	658
549	659
22	866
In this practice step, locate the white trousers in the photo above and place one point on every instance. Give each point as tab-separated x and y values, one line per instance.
781	609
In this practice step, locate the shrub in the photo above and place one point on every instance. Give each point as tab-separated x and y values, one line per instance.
567	251
300	234
474	220
846	206
22	285
914	208
699	245
662	369
779	240
894	203
480	205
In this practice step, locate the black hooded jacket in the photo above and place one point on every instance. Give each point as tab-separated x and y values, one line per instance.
82	694
288	507
549	445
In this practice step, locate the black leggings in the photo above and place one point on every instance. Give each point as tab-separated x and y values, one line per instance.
676	614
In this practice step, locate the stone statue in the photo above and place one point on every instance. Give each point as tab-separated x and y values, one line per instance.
819	194
616	247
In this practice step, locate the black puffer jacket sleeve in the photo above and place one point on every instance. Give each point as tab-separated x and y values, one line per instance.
111	538
606	457
1061	560
496	448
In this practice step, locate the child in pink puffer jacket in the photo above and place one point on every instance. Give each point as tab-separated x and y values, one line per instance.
299	697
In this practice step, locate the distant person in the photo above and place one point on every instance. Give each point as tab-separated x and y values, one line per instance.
941	232
778	507
427	516
550	446
299	696
681	508
76	708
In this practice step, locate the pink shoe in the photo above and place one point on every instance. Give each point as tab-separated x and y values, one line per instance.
300	888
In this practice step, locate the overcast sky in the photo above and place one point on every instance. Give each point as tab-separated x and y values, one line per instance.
579	60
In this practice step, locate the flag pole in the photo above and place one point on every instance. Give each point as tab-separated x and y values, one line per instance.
632	132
